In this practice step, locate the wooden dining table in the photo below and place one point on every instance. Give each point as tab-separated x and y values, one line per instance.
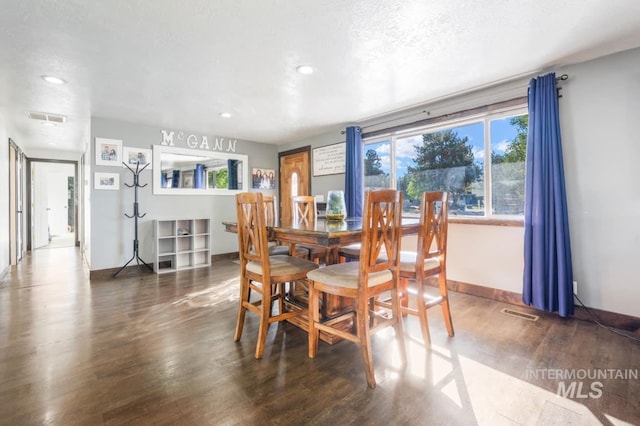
327	234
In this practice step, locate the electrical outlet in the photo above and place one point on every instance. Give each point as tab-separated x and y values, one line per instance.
575	287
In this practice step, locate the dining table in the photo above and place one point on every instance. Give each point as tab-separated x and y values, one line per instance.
323	233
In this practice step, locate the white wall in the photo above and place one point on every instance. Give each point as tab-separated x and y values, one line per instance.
112	233
599	115
4	196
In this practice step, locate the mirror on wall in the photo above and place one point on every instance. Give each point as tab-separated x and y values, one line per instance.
194	172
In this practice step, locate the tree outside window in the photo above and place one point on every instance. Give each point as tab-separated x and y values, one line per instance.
454	159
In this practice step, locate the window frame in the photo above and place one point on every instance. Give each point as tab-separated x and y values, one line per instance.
461	119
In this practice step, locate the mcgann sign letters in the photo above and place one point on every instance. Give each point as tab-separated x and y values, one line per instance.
192	141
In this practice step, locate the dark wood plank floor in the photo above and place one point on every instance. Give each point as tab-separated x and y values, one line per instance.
149	349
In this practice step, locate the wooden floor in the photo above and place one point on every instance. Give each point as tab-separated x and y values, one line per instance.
148	349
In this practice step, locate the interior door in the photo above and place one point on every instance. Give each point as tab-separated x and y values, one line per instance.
39	208
295	178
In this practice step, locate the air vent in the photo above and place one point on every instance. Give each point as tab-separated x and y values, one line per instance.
522	315
47	117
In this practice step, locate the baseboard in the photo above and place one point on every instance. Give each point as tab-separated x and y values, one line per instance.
107	274
610	319
4	275
225	256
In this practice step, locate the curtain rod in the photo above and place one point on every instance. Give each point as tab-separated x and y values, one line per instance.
561	77
342	132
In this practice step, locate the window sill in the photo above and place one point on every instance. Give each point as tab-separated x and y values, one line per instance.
490	221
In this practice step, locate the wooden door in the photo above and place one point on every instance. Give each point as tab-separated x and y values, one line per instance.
295	178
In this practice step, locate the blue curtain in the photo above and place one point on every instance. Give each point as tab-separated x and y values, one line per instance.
354	175
548	274
233	173
198	176
175	179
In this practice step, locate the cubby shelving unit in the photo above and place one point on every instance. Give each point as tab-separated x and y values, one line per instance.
181	244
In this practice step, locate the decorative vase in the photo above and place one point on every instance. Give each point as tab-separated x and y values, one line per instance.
336	206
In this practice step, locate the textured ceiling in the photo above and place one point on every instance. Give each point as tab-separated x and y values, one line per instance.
177	65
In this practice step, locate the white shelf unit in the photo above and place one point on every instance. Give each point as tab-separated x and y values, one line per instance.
181	244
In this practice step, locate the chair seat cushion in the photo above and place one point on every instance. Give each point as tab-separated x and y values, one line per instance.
284	250
408	262
283	265
346	275
351	251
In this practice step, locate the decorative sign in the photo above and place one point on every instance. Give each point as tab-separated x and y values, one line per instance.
194	142
330	159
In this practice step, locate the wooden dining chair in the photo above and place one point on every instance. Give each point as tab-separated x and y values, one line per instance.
271	216
261	273
429	260
305	212
363	281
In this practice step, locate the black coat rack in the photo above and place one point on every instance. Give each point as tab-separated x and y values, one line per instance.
135	216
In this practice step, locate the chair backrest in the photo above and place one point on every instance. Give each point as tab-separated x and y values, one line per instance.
381	231
252	230
432	235
304	209
270	209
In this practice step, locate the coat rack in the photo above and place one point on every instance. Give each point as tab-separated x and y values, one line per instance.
136	215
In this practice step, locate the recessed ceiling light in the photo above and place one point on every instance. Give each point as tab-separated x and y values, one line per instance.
48	123
52	144
305	69
225	114
53	80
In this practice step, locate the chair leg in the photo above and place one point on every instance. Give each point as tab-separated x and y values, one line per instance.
404	294
281	296
242	310
362	329
265	314
314	317
422	314
396	311
446	311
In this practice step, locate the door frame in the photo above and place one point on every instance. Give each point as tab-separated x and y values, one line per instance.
30	219
16	202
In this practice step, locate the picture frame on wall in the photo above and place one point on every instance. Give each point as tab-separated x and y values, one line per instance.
187	179
133	156
110	181
263	178
108	152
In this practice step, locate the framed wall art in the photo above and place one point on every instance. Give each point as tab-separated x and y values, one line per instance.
263	178
187	179
108	152
132	156
106	181
330	159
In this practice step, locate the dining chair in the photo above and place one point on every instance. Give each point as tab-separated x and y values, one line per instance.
363	281
305	212
429	260
261	273
271	215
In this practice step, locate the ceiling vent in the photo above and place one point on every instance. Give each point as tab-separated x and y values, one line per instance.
47	117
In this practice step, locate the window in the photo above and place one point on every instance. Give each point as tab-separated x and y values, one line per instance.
294	184
478	161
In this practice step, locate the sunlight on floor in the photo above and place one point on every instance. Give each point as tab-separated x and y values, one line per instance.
473	386
225	292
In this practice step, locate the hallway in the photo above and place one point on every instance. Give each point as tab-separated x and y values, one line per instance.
158	349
